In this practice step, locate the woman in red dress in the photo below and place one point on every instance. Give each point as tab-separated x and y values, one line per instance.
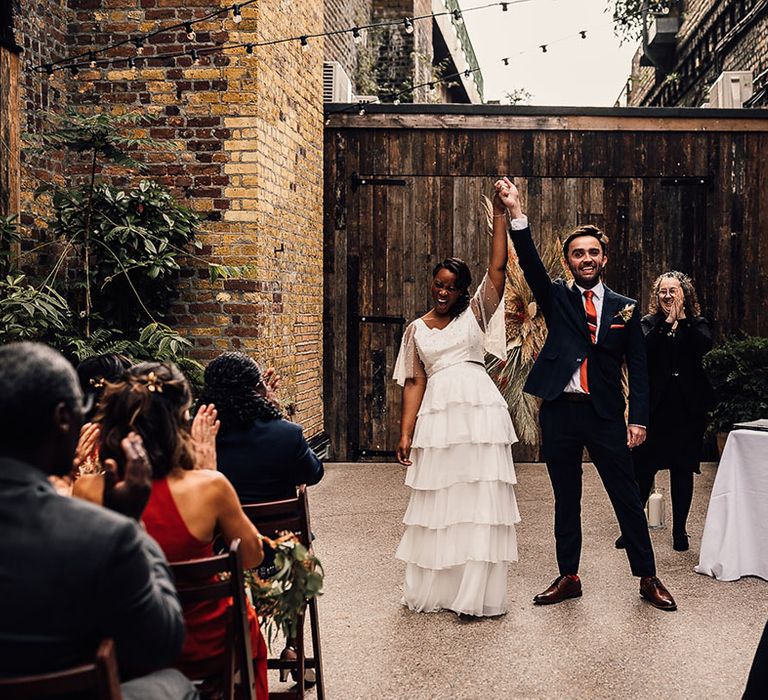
187	506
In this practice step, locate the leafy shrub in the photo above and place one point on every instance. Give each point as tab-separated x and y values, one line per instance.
738	371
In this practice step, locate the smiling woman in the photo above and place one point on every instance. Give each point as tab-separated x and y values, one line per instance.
456	437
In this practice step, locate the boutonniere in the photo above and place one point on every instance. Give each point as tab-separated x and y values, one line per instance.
626	313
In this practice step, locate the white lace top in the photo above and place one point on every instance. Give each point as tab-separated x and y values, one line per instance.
477	330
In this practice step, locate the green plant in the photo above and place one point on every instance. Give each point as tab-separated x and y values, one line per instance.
29	313
738	371
628	15
119	249
281	600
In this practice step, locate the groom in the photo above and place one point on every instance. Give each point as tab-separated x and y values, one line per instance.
591	330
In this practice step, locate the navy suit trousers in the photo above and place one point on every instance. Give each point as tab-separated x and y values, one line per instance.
566	429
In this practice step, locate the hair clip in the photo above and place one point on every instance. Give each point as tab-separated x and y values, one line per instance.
96	382
154	383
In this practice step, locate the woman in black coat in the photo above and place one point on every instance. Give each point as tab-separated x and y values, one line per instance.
677	337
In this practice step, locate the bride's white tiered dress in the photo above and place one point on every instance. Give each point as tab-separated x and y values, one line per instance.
460	521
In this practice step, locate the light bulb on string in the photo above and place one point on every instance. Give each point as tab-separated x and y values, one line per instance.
361	109
236	16
505	61
249	49
304	42
457	17
92	59
504	6
195	57
139	44
408	25
74	70
356	36
132	64
48	68
430	86
543	48
583	34
467	73
191	35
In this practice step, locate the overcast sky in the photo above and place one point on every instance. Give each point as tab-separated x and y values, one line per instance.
574	71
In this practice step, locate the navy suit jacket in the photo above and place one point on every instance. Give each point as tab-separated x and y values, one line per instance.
568	342
73	573
267	461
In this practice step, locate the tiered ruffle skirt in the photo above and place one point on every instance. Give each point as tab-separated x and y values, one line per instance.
460	521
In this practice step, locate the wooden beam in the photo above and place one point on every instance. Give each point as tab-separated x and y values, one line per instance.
555	122
10	110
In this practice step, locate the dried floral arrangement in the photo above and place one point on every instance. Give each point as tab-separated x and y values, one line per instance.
281	600
526	333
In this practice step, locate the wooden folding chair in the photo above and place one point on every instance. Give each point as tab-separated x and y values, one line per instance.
271	519
212	579
98	679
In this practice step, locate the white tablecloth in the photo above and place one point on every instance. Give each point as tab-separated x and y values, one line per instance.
735	540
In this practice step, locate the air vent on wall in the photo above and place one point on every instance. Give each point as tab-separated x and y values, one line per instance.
337	86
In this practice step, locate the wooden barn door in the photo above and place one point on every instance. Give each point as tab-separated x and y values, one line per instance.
398	227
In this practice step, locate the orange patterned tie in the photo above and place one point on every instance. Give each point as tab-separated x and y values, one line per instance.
591	311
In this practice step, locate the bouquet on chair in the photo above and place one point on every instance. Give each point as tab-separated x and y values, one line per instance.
281	600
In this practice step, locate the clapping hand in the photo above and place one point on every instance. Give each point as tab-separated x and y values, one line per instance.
86	453
205	427
677	310
271	381
130	495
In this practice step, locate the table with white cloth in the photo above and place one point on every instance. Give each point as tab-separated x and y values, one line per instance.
735	540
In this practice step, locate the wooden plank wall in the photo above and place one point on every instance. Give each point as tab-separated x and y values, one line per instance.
10	110
669	193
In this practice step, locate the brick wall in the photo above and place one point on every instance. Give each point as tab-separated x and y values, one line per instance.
340	14
244	136
748	52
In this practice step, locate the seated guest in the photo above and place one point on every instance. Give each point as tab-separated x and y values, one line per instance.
72	573
262	454
187	506
94	372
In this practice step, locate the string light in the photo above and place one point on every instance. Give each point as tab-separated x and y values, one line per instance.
361	109
506	61
396	101
195	57
583	33
249	49
74	70
188	25
131	64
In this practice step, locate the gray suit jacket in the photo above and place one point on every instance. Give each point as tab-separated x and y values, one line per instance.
72	573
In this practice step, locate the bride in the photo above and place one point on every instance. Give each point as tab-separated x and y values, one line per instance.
455	438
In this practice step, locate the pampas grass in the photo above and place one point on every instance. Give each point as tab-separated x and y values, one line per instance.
526	333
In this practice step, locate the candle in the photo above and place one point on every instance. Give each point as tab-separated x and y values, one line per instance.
656	510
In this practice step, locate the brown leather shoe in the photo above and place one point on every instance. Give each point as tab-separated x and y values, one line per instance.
562	588
656	594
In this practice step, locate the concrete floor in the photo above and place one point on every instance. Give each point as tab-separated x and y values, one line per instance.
608	644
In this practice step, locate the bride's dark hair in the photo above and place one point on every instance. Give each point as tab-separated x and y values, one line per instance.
463	279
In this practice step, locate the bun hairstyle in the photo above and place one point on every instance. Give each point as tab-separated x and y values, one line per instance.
586	230
152	399
94	372
463	280
234	385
